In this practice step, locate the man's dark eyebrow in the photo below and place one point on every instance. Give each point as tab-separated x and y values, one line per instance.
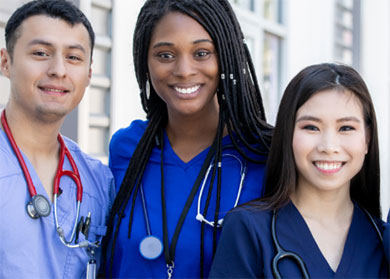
159	44
77	46
48	44
40	42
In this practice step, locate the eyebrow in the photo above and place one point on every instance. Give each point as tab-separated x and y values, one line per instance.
316	119
159	44
48	44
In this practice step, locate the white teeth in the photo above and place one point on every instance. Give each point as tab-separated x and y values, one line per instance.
328	166
187	90
53	90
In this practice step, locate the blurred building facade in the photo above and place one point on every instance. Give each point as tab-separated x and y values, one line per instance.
284	36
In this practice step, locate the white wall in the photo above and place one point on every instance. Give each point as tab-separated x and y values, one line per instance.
376	72
310	25
125	102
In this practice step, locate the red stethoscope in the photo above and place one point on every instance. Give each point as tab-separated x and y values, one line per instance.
40	206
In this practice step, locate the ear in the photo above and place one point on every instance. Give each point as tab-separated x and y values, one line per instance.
367	139
5	62
89	74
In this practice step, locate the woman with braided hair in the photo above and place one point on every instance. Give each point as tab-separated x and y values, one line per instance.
201	150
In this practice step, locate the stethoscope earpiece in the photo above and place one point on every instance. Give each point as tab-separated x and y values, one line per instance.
38	206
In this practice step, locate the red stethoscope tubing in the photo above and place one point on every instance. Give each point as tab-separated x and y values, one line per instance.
60	172
72	174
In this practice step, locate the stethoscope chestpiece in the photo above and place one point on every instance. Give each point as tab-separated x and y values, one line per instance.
151	247
38	206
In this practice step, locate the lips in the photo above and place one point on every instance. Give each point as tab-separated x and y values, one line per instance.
187	90
53	90
328	167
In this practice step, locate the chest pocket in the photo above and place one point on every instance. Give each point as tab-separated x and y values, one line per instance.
77	258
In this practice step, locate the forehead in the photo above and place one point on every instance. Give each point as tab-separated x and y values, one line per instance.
175	24
333	103
53	30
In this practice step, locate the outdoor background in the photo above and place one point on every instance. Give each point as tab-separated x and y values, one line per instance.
284	36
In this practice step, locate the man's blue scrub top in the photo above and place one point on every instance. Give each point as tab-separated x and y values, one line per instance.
31	248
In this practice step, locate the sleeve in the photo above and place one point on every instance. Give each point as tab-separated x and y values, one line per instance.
238	253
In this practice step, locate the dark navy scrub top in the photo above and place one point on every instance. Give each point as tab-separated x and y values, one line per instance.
246	248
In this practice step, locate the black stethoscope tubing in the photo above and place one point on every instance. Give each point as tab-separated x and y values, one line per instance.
169	250
151	246
283	254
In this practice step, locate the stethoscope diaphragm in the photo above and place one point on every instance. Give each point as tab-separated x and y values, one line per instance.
150	247
38	206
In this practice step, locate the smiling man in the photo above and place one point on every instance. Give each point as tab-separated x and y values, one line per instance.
47	182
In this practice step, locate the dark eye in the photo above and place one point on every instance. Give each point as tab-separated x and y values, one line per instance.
165	55
202	53
310	128
40	53
346	128
75	58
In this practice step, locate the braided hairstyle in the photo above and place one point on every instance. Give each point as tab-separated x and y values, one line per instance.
239	98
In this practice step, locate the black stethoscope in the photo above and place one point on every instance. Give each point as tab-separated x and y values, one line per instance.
39	205
281	253
151	247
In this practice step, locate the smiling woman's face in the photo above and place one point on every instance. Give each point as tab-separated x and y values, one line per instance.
183	65
329	141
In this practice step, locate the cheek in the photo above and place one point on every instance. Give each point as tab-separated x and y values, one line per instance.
212	69
300	144
356	147
82	77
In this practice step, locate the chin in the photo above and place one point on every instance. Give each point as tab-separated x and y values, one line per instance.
52	114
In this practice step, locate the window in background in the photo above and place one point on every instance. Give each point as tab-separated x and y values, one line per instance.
271	73
265	32
245	4
99	93
347	28
272	11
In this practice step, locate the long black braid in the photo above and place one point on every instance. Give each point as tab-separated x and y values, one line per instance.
239	98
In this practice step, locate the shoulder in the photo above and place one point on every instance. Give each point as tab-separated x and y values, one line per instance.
131	133
91	167
386	237
249	216
363	214
124	141
252	152
8	162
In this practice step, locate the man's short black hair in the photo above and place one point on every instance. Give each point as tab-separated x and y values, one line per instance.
61	9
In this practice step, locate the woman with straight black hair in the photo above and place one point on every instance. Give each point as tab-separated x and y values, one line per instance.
200	152
320	216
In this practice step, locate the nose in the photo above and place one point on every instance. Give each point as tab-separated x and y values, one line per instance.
57	67
329	143
184	67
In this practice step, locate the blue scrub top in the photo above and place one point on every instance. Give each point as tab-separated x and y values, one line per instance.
179	179
31	248
246	248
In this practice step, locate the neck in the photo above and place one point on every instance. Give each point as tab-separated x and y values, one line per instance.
189	135
33	137
333	205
